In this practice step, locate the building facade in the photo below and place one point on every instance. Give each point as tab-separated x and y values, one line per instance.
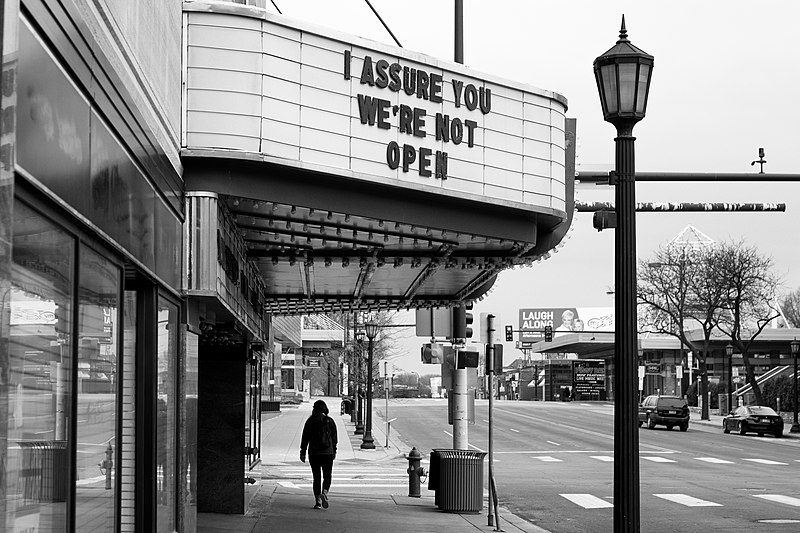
172	176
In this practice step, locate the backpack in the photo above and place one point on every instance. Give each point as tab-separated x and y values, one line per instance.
324	439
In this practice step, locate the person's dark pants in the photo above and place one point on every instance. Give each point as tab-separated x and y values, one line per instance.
321	467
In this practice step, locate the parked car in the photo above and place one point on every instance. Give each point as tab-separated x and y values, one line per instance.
667	411
753	419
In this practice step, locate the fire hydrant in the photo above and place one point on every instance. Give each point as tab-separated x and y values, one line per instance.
107	466
415	472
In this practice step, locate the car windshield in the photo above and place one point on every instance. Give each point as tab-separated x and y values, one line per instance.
671	403
763	411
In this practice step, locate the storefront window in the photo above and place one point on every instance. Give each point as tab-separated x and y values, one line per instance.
98	330
40	368
166	423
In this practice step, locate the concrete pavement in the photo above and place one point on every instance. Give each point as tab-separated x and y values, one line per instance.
278	504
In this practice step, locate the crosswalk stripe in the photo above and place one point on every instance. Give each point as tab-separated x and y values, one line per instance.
714	460
765	462
604	458
788	500
547	459
587	501
657	459
337	486
688	501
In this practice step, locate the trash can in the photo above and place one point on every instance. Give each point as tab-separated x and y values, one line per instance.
458	480
44	471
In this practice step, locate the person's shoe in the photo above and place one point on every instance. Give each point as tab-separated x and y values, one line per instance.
317	505
324	498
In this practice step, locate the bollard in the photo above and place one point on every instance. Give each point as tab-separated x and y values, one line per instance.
415	472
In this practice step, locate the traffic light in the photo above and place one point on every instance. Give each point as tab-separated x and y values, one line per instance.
468	320
461	321
548	334
509	333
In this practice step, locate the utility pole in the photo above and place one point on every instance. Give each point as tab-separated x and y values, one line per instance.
460	407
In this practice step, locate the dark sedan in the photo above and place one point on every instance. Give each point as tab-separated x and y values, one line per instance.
753	419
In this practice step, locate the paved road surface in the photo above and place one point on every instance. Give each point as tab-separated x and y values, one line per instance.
554	467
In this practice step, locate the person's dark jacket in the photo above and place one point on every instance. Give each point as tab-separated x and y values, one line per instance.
313	427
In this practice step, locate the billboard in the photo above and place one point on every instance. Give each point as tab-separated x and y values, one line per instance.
532	321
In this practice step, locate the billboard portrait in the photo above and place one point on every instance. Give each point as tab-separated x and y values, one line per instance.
532	321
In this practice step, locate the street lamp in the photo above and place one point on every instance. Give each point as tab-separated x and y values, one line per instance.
795	346
623	81
367	442
729	353
359	406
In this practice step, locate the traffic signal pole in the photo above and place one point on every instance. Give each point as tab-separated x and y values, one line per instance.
460	333
460	406
460	410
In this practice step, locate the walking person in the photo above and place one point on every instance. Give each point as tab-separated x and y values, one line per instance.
319	437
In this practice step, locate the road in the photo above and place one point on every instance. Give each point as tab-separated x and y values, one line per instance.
554	467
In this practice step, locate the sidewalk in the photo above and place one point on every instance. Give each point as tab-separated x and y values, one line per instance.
279	506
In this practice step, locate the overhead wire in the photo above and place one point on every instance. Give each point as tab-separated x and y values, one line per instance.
384	23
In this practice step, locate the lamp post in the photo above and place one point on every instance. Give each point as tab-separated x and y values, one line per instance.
795	346
729	353
623	76
367	442
359	406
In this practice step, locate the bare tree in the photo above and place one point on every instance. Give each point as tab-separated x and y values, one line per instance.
791	308
677	294
751	302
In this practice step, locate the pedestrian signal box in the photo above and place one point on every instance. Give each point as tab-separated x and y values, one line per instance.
494	359
467	359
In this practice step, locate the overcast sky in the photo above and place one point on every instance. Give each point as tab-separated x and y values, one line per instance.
725	82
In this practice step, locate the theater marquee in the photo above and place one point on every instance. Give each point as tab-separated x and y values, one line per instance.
289	91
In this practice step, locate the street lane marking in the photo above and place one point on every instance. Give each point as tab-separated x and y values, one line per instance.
344	485
514	430
788	500
688	501
548	459
553	443
587	501
658	459
586	405
468	444
714	460
765	462
604	458
578	429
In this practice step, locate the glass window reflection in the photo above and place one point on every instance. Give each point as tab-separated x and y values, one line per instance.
37	456
98	330
166	423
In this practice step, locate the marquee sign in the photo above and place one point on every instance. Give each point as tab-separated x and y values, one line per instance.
285	90
413	120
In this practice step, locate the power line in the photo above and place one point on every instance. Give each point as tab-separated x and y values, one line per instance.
384	24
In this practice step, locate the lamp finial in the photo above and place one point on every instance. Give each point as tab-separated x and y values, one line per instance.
623	33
